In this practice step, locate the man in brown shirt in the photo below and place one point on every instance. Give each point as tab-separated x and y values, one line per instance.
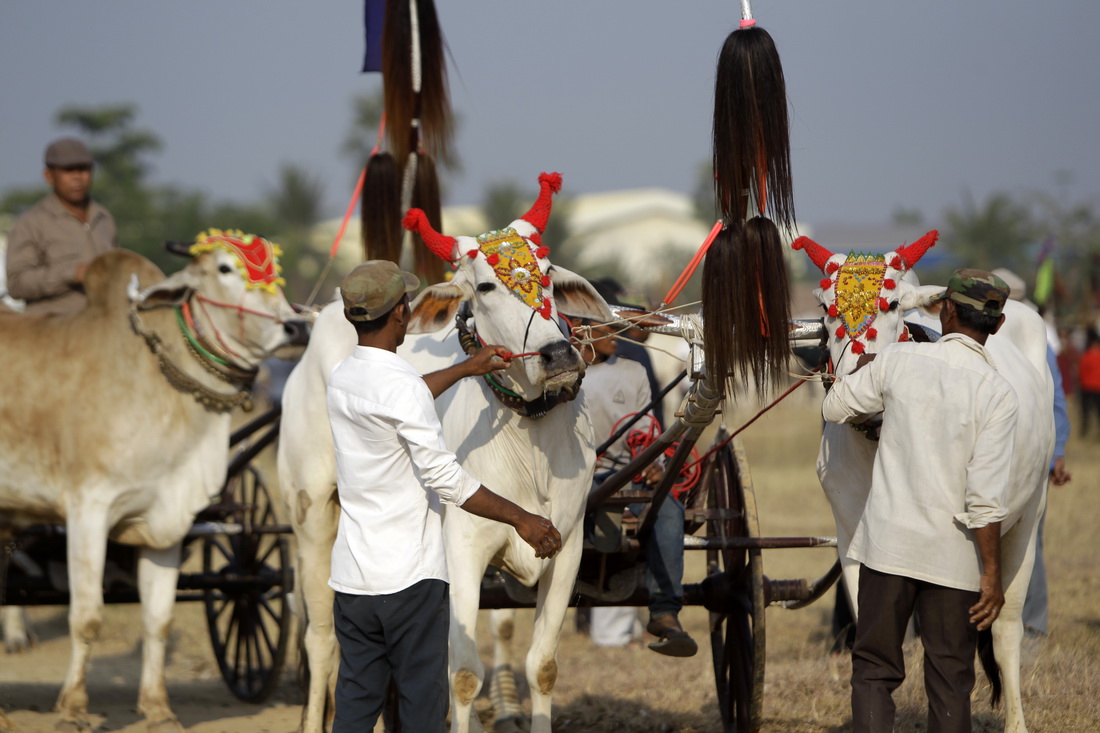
51	244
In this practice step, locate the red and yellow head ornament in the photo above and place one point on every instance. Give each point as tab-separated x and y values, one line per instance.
257	258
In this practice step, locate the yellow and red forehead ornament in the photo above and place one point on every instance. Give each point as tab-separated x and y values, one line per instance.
257	258
856	287
514	252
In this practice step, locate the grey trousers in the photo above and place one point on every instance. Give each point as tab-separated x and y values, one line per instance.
400	637
878	665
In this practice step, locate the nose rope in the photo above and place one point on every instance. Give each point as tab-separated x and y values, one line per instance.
240	308
527	331
217	333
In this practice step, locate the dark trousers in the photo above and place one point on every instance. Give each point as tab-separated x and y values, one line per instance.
878	666
401	637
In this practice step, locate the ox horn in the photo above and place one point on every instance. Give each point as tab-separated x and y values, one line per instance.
816	252
549	183
179	248
910	254
440	244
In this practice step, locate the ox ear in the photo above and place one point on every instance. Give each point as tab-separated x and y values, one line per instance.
173	290
920	298
436	306
576	297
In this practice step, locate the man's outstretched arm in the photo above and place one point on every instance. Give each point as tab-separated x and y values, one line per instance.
484	360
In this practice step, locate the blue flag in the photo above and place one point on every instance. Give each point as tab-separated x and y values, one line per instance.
374	17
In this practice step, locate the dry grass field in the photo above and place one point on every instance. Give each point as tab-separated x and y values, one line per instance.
633	689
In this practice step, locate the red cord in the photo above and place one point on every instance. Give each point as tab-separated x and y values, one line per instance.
638	440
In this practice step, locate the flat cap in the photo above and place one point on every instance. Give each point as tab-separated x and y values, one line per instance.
67	152
373	288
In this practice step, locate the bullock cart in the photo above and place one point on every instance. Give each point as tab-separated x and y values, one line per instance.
720	519
246	570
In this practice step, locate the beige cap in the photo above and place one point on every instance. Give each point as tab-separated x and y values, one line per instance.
67	152
373	288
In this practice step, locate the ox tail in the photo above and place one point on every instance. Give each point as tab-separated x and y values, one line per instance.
989	665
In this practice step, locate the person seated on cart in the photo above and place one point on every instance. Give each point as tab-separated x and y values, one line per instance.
614	388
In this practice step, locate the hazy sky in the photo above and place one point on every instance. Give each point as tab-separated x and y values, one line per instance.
892	103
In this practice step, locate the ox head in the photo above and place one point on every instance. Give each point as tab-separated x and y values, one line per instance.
514	294
865	297
231	291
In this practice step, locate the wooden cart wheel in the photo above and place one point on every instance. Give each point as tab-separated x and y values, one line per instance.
248	613
737	632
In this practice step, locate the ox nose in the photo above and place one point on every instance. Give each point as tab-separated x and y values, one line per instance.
558	356
297	332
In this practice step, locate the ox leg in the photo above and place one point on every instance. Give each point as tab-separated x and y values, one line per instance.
86	555
467	671
508	714
1017	559
18	636
315	532
555	588
158	575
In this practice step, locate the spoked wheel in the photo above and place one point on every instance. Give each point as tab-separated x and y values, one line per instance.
737	631
248	612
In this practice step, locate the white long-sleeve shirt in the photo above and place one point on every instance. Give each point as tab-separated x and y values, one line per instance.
943	459
392	470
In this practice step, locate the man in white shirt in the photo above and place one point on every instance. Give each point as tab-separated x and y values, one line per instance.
929	537
389	571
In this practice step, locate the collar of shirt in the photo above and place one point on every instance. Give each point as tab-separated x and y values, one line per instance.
971	344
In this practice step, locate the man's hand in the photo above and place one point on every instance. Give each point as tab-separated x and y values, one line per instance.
988	608
484	360
863	360
1059	476
541	534
488	359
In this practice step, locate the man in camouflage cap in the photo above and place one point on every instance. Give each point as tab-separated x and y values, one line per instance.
977	289
393	472
929	537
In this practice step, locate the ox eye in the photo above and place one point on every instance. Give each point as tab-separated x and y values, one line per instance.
893	305
485	287
225	269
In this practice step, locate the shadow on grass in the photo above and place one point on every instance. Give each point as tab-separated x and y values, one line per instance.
602	714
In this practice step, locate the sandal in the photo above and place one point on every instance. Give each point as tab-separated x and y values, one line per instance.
672	640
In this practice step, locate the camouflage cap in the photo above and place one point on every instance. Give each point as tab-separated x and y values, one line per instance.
983	291
373	288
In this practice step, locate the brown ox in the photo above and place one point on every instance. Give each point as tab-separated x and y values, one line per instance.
98	432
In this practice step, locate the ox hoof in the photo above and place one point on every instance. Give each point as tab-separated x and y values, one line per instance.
514	724
168	725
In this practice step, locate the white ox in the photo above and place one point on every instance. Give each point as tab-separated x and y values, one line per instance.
93	434
865	298
542	463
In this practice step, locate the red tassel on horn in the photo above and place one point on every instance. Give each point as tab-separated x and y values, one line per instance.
549	184
443	246
818	254
910	254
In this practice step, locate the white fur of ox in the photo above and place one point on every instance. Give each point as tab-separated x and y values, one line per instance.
544	465
846	458
94	436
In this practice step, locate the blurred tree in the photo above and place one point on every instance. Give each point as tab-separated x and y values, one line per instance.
905	217
995	234
1074	228
297	202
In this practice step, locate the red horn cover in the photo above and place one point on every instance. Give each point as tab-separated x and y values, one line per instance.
443	246
549	184
818	254
910	254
